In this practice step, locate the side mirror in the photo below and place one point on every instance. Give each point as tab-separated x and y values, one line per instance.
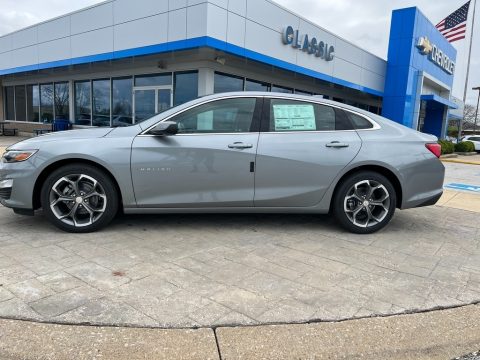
166	128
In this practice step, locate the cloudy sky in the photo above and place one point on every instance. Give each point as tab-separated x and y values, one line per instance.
365	23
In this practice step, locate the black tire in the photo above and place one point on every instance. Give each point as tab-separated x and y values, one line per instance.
344	200
107	200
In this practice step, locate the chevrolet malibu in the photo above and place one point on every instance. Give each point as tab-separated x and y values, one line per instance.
228	153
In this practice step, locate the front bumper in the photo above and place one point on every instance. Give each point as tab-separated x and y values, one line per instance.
6	189
16	185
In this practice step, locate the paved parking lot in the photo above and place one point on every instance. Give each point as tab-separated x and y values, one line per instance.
211	270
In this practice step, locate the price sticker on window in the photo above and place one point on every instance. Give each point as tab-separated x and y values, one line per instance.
294	117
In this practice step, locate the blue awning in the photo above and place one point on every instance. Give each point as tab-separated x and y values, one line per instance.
454	117
440	100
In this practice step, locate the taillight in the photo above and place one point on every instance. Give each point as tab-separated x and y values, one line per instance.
435	149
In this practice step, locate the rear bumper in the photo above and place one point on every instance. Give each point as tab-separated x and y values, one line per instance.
423	183
431	201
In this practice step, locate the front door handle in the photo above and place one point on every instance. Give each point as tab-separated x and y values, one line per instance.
240	145
337	144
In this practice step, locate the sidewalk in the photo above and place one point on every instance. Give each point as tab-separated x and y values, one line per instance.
435	335
460	200
6	141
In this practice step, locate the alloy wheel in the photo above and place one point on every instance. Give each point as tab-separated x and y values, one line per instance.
367	203
78	200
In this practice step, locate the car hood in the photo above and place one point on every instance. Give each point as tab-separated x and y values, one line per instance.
35	142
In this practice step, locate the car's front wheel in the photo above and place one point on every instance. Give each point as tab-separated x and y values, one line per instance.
365	202
79	198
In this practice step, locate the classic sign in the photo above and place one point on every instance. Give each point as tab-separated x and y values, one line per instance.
436	55
309	45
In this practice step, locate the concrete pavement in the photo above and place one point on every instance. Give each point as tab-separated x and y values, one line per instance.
215	270
25	340
176	271
435	335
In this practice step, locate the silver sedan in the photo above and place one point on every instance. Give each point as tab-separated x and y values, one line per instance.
229	153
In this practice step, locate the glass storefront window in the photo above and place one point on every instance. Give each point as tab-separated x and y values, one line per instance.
186	87
373	109
101	102
62	101
153	80
301	92
9	103
83	108
227	83
122	101
252	85
20	103
46	103
33	103
281	89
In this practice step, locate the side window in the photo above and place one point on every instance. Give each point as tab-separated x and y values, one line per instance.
359	122
291	115
222	116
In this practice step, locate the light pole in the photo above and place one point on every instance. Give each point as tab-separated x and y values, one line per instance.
476	113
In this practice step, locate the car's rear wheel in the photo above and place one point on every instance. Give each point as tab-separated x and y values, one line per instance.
79	198
364	202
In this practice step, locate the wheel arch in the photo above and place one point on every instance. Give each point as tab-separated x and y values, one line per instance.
36	196
389	174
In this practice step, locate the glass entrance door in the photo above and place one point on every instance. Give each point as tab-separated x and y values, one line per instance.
164	99
151	101
144	104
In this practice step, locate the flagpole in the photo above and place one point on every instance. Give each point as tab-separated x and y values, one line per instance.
468	73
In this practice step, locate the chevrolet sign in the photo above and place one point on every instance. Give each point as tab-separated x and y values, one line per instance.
309	45
436	55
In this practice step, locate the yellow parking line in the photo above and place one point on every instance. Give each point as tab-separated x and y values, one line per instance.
461	161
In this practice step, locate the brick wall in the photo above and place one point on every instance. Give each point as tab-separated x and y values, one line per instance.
26	129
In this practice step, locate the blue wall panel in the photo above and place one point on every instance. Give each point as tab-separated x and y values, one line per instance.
406	65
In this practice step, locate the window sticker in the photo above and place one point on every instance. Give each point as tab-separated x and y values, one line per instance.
205	121
294	117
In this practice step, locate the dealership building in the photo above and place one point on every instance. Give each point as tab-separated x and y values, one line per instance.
122	61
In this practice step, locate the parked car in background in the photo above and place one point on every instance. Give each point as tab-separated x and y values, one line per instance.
475	139
242	152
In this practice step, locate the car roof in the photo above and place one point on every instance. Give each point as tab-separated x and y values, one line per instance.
307	98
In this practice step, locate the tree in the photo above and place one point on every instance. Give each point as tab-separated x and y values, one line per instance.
469	117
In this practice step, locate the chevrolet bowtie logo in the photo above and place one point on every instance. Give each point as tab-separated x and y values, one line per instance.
425	45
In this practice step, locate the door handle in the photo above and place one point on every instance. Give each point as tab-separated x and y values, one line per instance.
240	145
337	144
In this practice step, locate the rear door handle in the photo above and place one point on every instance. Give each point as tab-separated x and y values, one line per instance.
337	144
240	145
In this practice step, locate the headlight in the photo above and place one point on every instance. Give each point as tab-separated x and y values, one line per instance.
13	156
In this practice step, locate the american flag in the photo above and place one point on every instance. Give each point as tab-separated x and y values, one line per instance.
454	26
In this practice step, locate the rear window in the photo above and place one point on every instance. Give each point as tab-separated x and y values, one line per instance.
359	122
